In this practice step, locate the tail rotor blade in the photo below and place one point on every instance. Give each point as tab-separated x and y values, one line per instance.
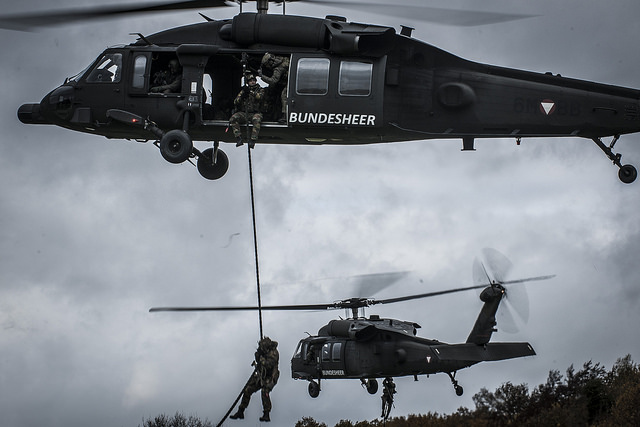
518	298
498	265
505	320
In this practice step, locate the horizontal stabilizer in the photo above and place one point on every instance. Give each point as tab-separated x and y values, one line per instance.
484	353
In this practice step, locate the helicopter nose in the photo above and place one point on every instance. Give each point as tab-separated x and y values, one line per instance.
30	114
59	102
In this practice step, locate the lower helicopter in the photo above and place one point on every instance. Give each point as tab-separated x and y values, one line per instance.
371	348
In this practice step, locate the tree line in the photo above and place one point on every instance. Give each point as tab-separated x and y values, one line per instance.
590	396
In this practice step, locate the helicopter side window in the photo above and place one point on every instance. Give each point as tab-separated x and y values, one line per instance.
107	70
335	351
355	78
139	67
326	352
312	76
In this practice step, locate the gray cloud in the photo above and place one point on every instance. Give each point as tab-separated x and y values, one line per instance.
94	232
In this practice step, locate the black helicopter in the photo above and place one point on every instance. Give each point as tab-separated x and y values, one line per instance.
348	83
370	348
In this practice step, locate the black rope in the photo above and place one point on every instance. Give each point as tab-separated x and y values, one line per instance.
235	402
255	239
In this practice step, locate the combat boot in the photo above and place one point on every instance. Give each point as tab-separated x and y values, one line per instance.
238	415
265	417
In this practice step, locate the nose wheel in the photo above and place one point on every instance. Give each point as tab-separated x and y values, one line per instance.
176	146
627	173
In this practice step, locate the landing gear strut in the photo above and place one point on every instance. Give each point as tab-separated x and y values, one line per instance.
458	388
627	173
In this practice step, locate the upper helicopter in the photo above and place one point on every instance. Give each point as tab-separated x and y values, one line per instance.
347	83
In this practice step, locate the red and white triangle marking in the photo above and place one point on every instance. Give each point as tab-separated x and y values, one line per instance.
547	106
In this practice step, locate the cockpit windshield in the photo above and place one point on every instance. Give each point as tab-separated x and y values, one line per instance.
107	70
298	353
78	76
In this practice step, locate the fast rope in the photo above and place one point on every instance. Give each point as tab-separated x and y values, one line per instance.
255	239
255	247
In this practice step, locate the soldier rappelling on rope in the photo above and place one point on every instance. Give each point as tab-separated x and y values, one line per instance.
264	378
388	390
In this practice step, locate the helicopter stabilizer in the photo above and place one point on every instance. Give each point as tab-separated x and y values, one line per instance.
483	353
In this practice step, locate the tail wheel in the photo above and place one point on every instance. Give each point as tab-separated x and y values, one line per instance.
627	174
459	390
176	146
211	168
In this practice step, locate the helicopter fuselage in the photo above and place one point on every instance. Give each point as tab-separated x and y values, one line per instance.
347	83
372	348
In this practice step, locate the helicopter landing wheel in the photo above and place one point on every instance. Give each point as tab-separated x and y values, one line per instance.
627	174
459	390
176	146
314	389
211	169
371	385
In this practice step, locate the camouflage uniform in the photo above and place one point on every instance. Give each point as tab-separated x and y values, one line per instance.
388	390
248	105
264	378
278	68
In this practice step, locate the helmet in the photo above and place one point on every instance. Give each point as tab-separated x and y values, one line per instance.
266	343
249	77
268	56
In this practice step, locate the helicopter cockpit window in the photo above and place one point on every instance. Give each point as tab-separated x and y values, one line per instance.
298	353
139	67
355	78
78	76
313	76
107	70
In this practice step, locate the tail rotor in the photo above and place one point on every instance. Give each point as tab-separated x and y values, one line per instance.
493	269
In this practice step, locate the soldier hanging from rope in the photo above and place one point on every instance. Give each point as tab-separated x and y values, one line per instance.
264	378
388	390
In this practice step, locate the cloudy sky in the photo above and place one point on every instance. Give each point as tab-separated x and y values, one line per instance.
95	232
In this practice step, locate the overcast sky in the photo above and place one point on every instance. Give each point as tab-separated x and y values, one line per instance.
94	232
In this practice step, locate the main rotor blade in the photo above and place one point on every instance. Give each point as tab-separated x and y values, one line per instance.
450	291
425	295
249	308
29	21
528	279
349	303
454	17
367	285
